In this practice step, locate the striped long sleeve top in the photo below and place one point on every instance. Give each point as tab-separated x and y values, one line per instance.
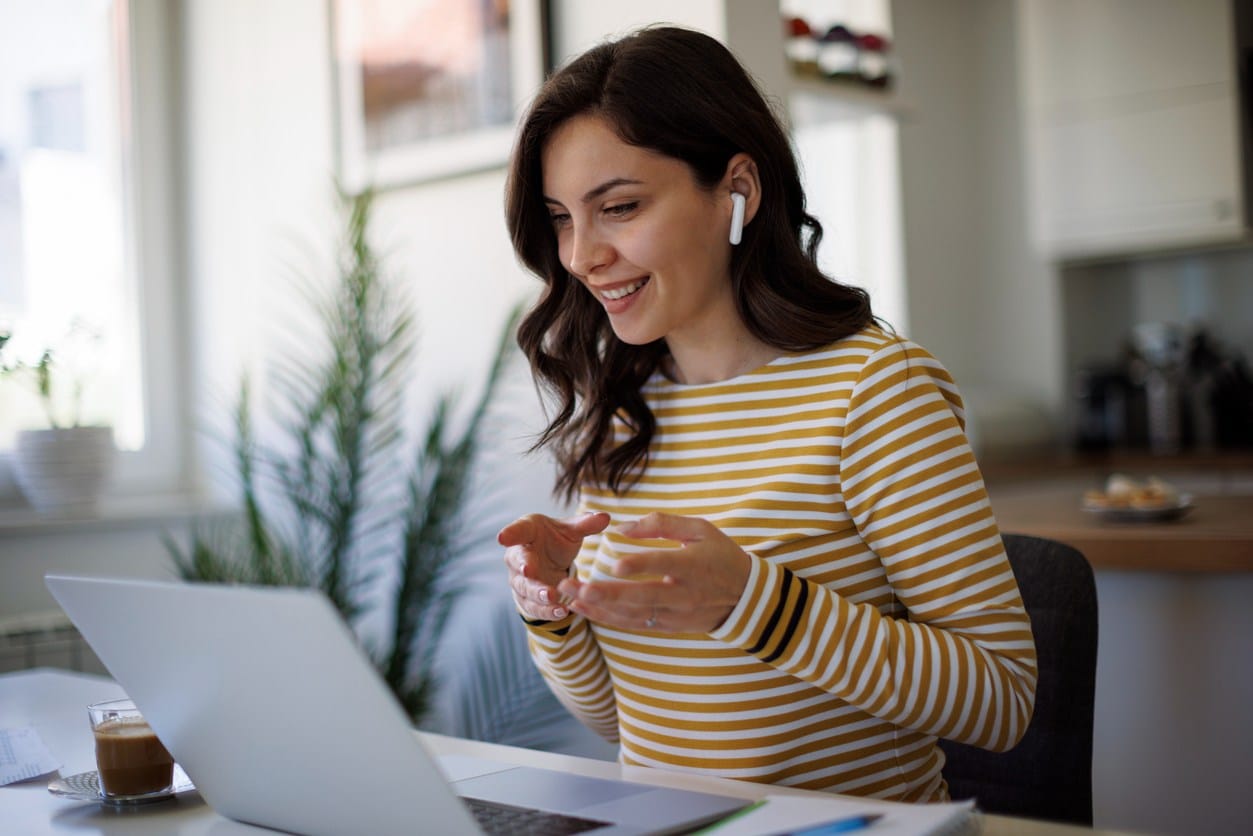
880	611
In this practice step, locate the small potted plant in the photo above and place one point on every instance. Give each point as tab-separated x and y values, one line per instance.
63	466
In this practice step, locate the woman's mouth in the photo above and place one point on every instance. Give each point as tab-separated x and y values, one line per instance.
622	291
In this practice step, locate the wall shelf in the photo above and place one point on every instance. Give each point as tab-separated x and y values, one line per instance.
812	101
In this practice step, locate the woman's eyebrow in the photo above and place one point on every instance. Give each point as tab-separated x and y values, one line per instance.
600	190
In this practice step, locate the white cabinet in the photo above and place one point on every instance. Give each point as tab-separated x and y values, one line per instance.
1132	124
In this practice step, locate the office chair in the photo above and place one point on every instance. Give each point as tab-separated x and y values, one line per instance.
1048	775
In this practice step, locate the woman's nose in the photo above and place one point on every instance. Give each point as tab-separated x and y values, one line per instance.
589	252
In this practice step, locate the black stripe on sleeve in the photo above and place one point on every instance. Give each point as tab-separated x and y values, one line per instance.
788	578
541	622
801	598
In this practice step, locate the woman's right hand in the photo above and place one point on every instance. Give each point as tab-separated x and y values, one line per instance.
538	552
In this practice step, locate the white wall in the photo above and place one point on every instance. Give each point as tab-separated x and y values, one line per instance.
978	297
125	549
579	25
259	168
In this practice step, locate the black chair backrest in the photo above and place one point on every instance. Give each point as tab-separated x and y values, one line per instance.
1048	775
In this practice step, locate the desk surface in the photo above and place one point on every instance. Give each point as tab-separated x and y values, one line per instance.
53	702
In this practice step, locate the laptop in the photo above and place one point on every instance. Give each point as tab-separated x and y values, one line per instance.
267	702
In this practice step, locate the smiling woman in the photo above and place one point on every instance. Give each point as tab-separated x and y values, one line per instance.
786	568
653	245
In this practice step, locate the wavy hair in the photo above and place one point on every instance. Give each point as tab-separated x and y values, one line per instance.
682	94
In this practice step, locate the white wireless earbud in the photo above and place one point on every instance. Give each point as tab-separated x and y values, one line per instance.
737	217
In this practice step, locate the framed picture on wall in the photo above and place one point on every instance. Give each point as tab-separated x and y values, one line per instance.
427	89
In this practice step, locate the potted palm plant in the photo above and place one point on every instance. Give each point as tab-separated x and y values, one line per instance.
61	467
335	497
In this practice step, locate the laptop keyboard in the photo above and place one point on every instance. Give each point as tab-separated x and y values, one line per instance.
503	820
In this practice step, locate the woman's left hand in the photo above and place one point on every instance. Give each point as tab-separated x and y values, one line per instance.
697	585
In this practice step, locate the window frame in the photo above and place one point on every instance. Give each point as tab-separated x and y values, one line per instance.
153	256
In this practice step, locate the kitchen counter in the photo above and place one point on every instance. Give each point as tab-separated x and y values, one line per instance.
1215	536
1044	498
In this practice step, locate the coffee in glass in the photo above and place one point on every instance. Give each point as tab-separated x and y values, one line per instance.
130	759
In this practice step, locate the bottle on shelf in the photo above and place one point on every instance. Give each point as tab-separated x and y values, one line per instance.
837	53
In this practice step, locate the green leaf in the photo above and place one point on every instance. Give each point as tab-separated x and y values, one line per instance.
329	502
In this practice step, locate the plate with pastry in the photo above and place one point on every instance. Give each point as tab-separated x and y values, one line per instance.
1125	499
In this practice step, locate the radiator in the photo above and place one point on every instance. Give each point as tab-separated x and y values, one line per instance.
45	640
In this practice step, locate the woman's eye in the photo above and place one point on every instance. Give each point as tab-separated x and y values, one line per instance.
619	210
559	220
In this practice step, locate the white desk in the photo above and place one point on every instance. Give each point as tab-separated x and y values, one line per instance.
54	702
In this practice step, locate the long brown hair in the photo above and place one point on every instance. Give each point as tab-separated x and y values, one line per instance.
679	93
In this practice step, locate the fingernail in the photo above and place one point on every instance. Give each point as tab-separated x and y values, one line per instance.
559	612
543	595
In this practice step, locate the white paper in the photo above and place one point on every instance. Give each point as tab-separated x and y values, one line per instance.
23	756
787	813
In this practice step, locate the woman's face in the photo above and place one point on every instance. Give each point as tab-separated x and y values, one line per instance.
641	235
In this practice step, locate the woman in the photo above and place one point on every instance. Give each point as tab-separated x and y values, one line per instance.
786	569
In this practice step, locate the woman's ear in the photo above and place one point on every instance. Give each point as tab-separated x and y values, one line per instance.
741	178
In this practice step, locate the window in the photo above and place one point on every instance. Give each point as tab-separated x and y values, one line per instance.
849	153
86	262
852	183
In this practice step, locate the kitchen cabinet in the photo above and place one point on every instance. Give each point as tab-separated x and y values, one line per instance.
1133	124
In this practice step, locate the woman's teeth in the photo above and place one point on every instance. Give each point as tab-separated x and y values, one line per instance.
621	292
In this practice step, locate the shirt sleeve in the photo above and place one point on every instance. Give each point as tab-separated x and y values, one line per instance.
569	658
961	664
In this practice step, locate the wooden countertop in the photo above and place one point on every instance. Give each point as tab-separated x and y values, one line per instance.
1229	467
1215	536
1043	494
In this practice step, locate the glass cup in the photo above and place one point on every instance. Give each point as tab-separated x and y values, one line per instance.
130	759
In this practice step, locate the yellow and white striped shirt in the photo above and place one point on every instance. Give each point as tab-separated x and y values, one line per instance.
880	611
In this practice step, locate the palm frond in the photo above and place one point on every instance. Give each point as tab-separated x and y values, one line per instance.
325	504
437	493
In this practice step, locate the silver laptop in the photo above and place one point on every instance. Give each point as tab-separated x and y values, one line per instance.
265	699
